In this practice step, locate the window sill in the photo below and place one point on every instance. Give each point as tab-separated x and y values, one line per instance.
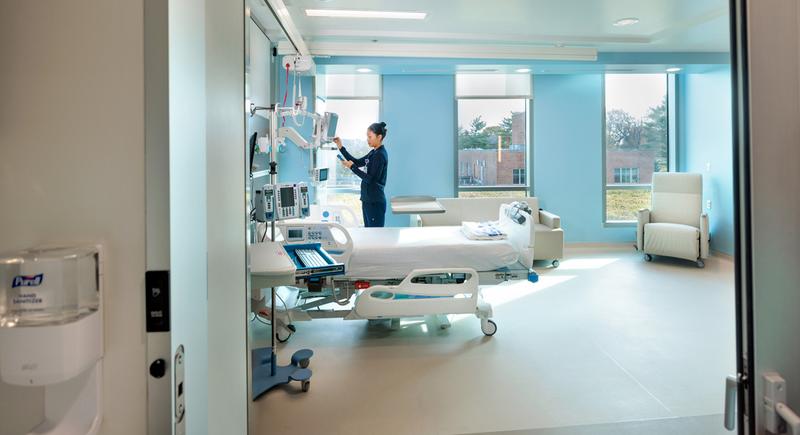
620	224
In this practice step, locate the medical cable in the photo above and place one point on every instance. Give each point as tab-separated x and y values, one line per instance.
285	93
285	307
340	302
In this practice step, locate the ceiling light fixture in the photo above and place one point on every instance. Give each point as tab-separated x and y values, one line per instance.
673	69
626	21
363	70
523	70
342	13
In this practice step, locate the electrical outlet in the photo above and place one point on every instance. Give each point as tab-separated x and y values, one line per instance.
708	204
708	166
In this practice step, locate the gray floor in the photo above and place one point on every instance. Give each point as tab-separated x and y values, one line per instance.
702	425
606	342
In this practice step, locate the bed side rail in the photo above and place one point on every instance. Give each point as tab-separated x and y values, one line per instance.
422	292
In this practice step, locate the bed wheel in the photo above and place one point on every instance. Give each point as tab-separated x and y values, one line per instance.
700	263
488	327
305	385
648	257
556	263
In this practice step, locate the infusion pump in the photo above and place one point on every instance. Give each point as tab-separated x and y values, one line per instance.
282	201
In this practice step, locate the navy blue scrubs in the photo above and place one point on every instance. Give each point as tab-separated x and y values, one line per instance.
373	180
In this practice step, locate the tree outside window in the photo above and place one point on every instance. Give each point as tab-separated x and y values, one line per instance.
636	142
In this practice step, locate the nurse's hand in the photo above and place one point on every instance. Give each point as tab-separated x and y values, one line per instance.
347	163
338	142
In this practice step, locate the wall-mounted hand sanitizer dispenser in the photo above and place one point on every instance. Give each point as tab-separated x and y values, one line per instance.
51	332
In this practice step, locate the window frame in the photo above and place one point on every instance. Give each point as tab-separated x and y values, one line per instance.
356	188
671	110
528	186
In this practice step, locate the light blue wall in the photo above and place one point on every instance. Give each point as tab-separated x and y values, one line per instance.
567	146
705	138
419	111
568	166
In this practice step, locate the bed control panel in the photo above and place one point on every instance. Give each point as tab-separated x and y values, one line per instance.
331	237
312	261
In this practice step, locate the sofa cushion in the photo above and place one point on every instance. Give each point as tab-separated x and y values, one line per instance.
673	240
677	198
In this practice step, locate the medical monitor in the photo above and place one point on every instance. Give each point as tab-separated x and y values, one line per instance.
320	175
330	120
295	234
287	196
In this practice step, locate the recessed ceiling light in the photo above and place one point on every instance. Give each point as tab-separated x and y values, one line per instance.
673	70
342	13
363	70
523	70
626	21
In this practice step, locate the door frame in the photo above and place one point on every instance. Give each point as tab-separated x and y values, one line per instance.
740	87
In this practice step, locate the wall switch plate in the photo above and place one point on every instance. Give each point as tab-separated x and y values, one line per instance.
708	204
708	166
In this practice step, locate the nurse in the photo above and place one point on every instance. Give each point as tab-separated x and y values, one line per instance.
372	171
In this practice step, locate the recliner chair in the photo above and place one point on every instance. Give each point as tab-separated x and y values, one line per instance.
675	225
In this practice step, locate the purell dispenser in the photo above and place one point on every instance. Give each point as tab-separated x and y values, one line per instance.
51	332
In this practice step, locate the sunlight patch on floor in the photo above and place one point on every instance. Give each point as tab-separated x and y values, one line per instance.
586	263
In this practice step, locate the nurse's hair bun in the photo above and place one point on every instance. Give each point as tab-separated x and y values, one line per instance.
379	128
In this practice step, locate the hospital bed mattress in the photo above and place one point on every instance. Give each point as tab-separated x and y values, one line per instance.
395	252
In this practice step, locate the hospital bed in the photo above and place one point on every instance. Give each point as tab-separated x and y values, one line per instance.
392	273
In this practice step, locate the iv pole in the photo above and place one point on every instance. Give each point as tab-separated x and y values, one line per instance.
297	370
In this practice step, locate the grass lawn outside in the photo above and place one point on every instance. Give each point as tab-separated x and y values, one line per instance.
492	194
622	204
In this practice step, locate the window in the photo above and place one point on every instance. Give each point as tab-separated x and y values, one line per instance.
356	99
626	175
518	176
492	134
636	142
354	117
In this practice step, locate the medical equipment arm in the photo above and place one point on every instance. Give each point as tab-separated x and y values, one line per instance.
292	134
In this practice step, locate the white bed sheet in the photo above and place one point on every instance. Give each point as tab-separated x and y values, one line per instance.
395	252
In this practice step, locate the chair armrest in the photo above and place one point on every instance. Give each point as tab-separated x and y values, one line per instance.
549	219
642	218
704	235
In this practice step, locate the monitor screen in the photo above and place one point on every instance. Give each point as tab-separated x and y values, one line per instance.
287	196
295	234
323	174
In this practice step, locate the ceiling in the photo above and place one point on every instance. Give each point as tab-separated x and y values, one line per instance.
664	25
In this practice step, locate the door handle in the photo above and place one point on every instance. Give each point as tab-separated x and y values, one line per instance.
731	388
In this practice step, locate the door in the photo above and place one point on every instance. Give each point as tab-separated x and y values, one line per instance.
766	64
